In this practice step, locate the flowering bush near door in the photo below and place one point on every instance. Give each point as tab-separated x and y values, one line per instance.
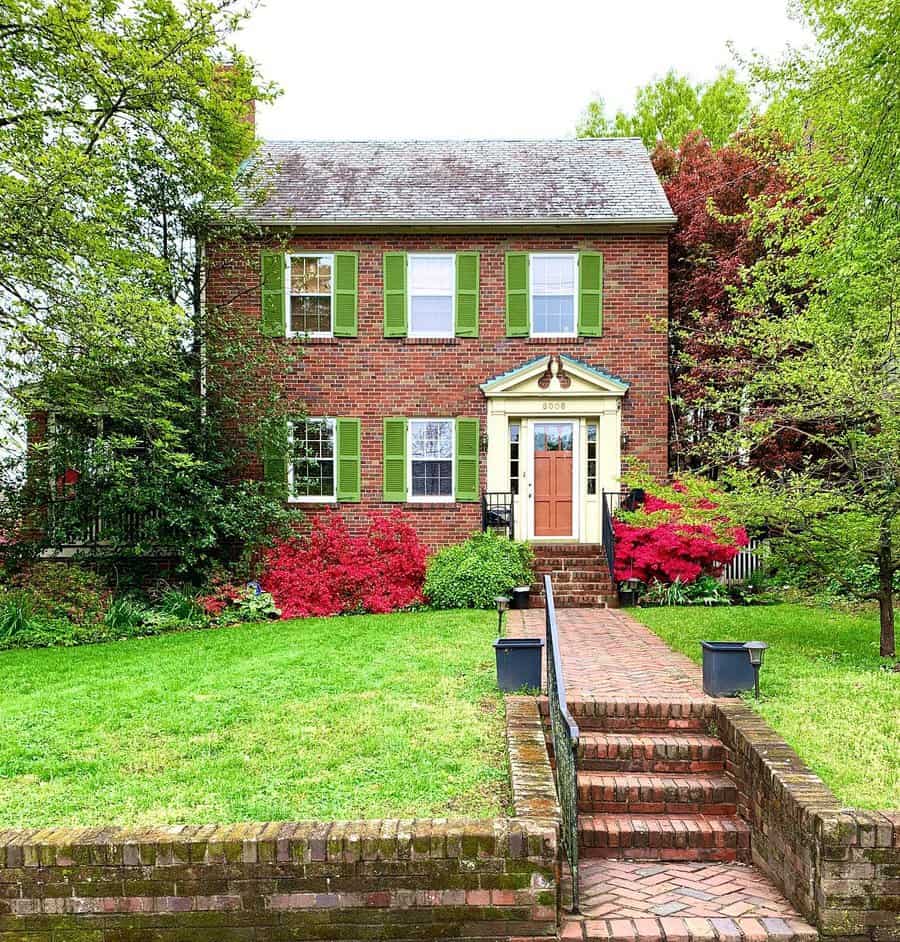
677	534
331	572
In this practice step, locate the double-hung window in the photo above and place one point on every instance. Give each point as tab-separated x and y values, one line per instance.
311	470
310	284
431	459
554	281
431	295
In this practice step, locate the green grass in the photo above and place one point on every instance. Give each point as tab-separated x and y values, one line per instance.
366	716
823	688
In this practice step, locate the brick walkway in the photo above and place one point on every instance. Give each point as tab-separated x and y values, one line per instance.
607	654
663	851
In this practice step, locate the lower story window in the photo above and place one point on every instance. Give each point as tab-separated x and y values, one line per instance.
311	471
592	458
431	459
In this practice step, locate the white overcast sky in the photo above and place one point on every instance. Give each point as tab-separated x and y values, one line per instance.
359	69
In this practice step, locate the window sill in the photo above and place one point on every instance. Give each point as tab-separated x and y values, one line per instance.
554	338
430	500
428	341
311	500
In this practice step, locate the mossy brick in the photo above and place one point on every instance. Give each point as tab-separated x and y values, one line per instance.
334	849
438	848
421	839
387	839
404	838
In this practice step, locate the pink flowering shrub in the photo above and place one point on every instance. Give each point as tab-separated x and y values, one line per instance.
330	572
678	532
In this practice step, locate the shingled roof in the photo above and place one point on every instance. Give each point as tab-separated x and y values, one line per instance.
587	182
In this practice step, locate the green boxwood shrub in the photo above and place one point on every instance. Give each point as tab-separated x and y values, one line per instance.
474	573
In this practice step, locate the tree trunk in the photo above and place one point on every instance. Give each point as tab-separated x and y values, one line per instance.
886	593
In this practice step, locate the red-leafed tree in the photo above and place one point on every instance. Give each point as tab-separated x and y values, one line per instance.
710	250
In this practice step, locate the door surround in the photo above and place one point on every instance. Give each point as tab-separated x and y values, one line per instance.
555	389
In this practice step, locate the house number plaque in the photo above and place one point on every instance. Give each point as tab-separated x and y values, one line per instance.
553	406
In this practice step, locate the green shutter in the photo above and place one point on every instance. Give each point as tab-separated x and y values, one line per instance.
394	459
467	459
467	264
590	294
275	459
395	294
273	314
518	320
346	288
348	453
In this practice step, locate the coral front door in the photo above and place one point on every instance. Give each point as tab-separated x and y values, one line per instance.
553	444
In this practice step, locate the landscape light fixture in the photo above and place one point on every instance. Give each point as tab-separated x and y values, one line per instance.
502	602
756	651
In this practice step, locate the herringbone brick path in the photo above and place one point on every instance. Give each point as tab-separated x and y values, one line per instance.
662	848
672	901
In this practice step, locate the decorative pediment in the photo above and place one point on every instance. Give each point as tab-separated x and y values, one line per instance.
554	375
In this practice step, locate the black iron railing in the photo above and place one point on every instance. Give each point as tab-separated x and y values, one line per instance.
612	501
565	733
66	527
498	512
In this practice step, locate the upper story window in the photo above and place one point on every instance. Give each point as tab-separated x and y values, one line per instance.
431	294
431	459
311	295
554	279
311	471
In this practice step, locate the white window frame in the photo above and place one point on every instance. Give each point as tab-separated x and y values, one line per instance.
287	301
451	257
312	498
535	333
430	498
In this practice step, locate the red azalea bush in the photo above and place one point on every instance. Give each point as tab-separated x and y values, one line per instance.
679	532
330	572
220	593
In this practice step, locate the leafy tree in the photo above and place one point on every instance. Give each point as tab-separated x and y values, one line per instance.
122	134
669	108
711	249
826	367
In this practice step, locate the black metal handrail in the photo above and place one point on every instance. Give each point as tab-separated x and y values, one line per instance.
498	512
564	731
612	501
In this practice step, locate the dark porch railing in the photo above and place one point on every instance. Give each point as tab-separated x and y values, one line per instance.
498	512
564	731
68	529
613	501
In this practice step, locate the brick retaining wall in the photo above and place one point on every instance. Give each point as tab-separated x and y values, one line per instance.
840	867
422	879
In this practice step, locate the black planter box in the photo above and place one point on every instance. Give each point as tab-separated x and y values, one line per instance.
520	596
518	663
726	668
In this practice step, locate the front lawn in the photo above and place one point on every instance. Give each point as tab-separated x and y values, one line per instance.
364	716
823	688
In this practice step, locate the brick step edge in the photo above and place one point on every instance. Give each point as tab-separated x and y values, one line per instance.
666	752
664	837
630	793
641	716
677	929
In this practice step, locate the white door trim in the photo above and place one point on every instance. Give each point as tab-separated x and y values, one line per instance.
576	423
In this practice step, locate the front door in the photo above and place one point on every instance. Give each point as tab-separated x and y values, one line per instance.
553	466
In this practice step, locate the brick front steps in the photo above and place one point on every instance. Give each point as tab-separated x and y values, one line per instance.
580	575
662	848
657	752
640	793
664	836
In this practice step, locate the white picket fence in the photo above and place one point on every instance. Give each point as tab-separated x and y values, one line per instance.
750	559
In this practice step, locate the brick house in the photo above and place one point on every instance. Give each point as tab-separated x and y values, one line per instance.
478	320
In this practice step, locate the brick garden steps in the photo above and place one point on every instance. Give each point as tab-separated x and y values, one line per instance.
642	714
658	752
644	793
664	837
580	575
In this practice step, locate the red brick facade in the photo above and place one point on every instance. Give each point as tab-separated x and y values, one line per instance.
371	376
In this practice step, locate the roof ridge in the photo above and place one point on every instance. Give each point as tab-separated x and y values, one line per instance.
449	140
